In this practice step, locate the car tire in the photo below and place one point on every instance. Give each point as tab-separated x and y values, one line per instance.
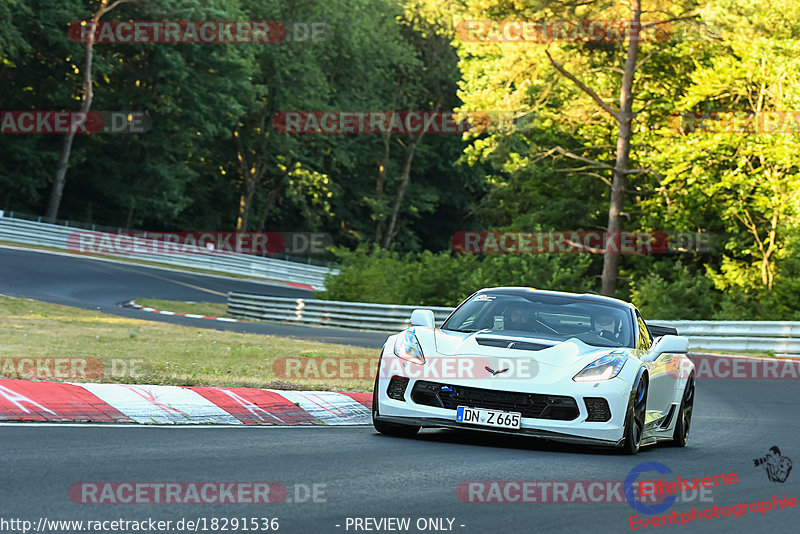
389	429
684	422
634	419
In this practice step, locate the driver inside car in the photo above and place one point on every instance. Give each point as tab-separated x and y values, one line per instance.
605	326
520	319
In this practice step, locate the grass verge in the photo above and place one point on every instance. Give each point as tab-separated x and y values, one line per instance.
142	352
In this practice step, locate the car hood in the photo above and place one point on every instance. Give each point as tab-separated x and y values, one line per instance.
553	363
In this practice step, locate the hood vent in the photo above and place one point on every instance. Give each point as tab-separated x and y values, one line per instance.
511	344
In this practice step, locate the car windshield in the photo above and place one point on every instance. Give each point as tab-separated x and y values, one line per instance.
549	317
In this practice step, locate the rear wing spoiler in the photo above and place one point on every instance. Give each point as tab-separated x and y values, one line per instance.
658	331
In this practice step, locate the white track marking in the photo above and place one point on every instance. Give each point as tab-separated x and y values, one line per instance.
161	404
331	408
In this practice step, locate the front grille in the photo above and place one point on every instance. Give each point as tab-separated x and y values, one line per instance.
511	344
598	409
397	388
532	405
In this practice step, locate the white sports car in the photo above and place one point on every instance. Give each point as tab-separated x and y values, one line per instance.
559	366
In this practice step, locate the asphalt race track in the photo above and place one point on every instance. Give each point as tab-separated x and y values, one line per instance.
368	475
100	285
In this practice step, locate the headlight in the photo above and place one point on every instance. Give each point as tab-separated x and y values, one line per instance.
603	368
407	347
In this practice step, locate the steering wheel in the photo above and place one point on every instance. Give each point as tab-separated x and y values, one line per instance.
607	334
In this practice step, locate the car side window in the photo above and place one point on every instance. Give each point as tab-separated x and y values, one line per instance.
644	342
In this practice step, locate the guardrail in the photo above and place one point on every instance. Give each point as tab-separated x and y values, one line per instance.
362	316
52	235
782	337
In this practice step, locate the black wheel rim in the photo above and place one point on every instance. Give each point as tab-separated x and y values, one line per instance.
637	432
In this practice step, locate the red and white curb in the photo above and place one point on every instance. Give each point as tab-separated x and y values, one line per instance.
132	304
27	400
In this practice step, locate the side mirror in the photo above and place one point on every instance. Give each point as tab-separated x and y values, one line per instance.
669	344
423	318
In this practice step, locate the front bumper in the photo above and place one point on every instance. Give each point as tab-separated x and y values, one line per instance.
434	422
577	430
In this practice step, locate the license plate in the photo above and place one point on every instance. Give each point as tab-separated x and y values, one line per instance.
476	416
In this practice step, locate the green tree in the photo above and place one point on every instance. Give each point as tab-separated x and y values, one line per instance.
738	176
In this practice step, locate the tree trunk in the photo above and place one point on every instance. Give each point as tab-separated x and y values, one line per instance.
267	208
57	192
129	219
401	191
251	175
767	269
624	119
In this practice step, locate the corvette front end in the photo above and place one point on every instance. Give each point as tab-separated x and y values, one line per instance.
565	410
558	366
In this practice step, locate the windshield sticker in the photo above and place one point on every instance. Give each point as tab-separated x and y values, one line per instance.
483	297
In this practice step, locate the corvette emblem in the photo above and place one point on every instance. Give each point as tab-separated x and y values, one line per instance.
494	373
